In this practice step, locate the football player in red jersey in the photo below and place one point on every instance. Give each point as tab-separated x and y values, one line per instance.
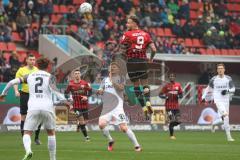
80	90
136	42
172	91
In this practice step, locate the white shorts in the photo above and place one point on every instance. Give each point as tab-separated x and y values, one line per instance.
223	108
115	117
35	118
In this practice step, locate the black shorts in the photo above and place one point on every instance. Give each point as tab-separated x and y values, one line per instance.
173	115
137	69
82	112
24	102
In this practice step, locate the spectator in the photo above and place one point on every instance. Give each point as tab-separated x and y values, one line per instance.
189	29
5	33
177	28
13	61
22	21
220	8
11	11
173	7
2	66
184	10
83	32
2	10
162	3
164	17
156	17
73	17
207	39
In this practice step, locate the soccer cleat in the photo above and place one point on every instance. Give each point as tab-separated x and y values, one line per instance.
37	142
110	145
28	156
138	149
173	138
87	139
231	140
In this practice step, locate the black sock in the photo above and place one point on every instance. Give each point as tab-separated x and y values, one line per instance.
37	132
171	130
147	95
22	127
171	127
139	95
78	126
83	129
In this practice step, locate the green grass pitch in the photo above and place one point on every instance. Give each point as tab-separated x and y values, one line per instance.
156	146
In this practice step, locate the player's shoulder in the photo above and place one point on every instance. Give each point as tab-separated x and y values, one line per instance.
213	78
177	84
228	77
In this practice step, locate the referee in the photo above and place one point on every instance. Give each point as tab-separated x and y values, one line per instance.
23	93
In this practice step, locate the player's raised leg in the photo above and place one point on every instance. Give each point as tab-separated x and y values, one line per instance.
123	127
103	126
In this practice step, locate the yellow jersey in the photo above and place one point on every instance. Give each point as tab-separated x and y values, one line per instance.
22	71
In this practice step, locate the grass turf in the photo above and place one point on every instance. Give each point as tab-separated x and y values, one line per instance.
156	145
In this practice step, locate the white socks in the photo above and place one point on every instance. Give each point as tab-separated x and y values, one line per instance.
132	137
227	127
107	134
217	121
27	143
52	147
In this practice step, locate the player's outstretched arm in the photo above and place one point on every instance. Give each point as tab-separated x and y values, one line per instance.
10	84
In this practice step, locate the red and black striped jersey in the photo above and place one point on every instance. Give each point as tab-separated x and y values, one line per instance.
78	90
172	92
137	42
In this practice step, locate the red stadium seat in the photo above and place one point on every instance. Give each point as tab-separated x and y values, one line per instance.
224	51
237	51
203	51
55	18
16	37
63	9
11	46
196	42
74	28
182	22
193	5
55	9
168	32
7	56
210	51
153	30
193	15
217	52
78	2
188	42
3	46
231	52
22	56
160	32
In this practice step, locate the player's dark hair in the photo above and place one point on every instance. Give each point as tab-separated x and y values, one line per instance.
220	64
42	63
171	74
134	19
30	55
76	70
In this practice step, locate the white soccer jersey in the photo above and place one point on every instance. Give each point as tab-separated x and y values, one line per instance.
40	92
218	84
112	99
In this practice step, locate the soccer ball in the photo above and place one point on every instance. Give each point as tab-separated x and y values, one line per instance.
85	8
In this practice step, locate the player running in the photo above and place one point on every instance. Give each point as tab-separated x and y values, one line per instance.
136	42
24	93
40	106
172	91
222	87
112	89
80	91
